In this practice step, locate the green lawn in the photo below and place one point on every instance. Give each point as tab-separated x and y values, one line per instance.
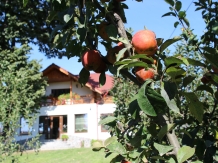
76	155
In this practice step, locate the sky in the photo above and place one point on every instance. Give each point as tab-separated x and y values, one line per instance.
139	15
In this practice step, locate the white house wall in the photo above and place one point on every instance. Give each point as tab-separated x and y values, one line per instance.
93	110
76	87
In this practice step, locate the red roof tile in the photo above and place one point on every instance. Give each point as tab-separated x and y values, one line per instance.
94	82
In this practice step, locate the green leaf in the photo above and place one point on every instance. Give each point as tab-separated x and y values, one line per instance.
67	18
102	78
171	160
107	120
169	14
169	42
73	49
25	3
215	28
204	88
110	140
195	62
215	77
136	64
195	106
143	101
111	30
185	153
181	14
117	159
51	16
156	100
168	97
81	34
178	6
119	68
175	71
124	61
123	40
185	60
97	146
84	76
120	54
211	55
171	2
187	80
162	149
189	137
200	148
163	131
117	147
186	21
142	56
134	154
159	41
172	60
176	24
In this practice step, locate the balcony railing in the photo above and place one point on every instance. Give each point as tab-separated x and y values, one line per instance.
51	101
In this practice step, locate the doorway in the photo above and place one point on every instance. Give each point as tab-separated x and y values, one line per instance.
52	126
55	128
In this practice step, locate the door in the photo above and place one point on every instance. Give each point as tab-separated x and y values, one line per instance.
52	126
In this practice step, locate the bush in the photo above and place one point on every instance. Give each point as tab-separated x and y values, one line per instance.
63	137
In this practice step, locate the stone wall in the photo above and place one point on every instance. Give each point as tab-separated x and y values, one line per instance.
77	142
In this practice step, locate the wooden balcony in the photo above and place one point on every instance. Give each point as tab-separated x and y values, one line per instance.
82	100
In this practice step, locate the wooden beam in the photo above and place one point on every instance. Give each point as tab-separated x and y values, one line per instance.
60	126
71	89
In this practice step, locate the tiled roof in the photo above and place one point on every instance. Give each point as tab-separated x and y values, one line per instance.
93	82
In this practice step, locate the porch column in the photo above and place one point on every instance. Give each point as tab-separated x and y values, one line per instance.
46	127
51	127
60	126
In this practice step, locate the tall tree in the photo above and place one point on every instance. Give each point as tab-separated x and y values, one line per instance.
165	105
22	25
21	83
21	90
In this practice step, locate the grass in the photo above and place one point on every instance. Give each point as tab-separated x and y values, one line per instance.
75	155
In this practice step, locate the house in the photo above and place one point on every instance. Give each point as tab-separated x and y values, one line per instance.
77	116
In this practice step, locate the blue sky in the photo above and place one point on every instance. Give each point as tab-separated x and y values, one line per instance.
139	15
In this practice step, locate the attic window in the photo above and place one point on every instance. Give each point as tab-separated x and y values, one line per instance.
57	92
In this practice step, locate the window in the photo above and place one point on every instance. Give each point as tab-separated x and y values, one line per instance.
81	123
105	128
1	128
42	121
57	92
24	127
65	123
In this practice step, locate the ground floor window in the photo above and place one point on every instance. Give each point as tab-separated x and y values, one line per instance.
25	129
105	128
81	123
65	126
1	128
